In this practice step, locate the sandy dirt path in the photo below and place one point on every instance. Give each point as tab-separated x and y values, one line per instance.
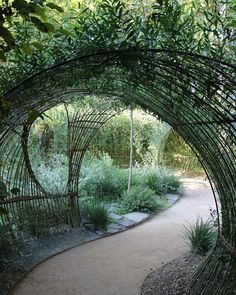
118	265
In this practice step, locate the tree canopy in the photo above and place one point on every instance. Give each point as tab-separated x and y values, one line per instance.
37	34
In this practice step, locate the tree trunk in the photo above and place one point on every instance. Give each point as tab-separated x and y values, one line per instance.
131	147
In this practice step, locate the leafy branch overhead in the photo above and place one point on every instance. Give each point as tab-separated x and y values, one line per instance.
34	12
37	34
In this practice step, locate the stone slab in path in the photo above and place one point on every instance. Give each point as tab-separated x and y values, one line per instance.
125	222
115	216
136	216
114	228
172	198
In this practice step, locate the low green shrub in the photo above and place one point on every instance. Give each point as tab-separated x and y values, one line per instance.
201	236
172	183
139	198
96	212
162	183
163	202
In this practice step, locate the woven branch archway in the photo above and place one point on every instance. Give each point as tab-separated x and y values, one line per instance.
16	168
194	94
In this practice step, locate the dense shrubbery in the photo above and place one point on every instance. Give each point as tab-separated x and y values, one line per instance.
49	135
113	138
52	172
93	24
141	199
102	181
162	183
100	178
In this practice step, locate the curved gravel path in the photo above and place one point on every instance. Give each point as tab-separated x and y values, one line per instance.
118	265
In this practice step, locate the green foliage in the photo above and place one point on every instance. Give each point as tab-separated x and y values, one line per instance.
3	194
3	190
8	238
141	199
161	181
34	221
35	13
97	213
177	154
113	138
99	178
37	36
162	184
50	132
201	236
5	104
49	135
171	183
3	211
52	172
42	219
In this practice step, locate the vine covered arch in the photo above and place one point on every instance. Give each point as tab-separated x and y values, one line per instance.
194	94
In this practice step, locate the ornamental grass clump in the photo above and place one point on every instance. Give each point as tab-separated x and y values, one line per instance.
201	236
97	213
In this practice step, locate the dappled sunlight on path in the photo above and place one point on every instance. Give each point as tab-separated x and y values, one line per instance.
118	265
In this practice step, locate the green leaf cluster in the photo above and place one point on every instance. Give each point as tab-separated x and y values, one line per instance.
139	199
42	33
36	13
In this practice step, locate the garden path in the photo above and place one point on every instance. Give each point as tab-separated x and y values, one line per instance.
118	265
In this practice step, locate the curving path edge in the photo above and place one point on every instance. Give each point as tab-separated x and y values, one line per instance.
118	265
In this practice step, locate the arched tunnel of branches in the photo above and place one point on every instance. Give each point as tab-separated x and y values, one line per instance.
194	94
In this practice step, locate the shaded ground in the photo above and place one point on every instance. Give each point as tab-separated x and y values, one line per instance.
172	278
119	264
15	265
